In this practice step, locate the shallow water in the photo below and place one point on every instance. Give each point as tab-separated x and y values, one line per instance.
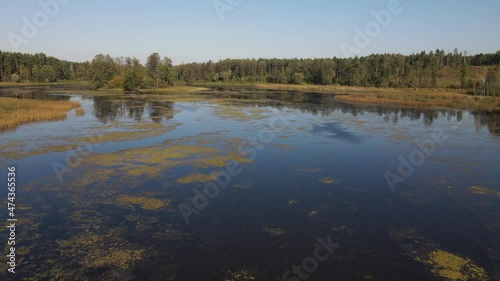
310	168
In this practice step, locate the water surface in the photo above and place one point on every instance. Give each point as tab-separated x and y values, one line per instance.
310	168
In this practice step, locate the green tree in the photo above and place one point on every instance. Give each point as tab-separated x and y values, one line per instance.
165	71
134	75
152	65
103	69
35	71
25	73
493	82
298	78
463	74
15	78
48	74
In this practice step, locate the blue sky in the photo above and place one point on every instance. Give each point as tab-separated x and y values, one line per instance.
191	30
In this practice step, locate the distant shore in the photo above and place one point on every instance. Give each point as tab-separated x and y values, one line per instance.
411	97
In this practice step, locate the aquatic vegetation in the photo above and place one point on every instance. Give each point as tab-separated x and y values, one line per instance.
454	267
274	231
343	229
107	249
240	275
14	112
198	177
91	177
398	137
328	180
118	258
423	99
142	170
239	112
313	213
128	132
79	111
143	202
221	160
484	190
438	261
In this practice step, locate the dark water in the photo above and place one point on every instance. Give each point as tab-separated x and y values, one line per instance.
318	170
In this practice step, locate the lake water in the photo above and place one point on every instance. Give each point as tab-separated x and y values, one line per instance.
232	185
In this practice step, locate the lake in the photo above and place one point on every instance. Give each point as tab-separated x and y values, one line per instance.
245	185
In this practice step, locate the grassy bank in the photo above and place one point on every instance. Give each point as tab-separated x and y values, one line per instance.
425	99
14	112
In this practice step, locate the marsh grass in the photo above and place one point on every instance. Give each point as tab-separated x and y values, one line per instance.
425	99
79	111
14	112
419	97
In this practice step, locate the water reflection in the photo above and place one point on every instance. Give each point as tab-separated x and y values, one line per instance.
489	119
30	93
335	130
107	109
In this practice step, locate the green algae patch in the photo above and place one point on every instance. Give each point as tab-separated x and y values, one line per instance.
484	190
102	134
454	267
441	263
100	250
239	275
92	177
143	202
149	155
198	177
118	258
134	132
240	113
398	137
274	231
142	170
221	160
328	180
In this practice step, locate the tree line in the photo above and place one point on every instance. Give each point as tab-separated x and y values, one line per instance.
17	67
480	73
436	69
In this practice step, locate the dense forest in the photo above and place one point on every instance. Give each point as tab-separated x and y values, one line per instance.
479	74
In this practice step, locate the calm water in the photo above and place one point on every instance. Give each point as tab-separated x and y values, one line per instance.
309	168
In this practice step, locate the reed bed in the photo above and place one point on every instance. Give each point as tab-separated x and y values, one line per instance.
418	97
79	111
421	99
14	112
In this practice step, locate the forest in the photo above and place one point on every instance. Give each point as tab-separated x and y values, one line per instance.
477	74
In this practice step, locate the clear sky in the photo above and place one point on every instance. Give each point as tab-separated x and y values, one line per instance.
192	30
